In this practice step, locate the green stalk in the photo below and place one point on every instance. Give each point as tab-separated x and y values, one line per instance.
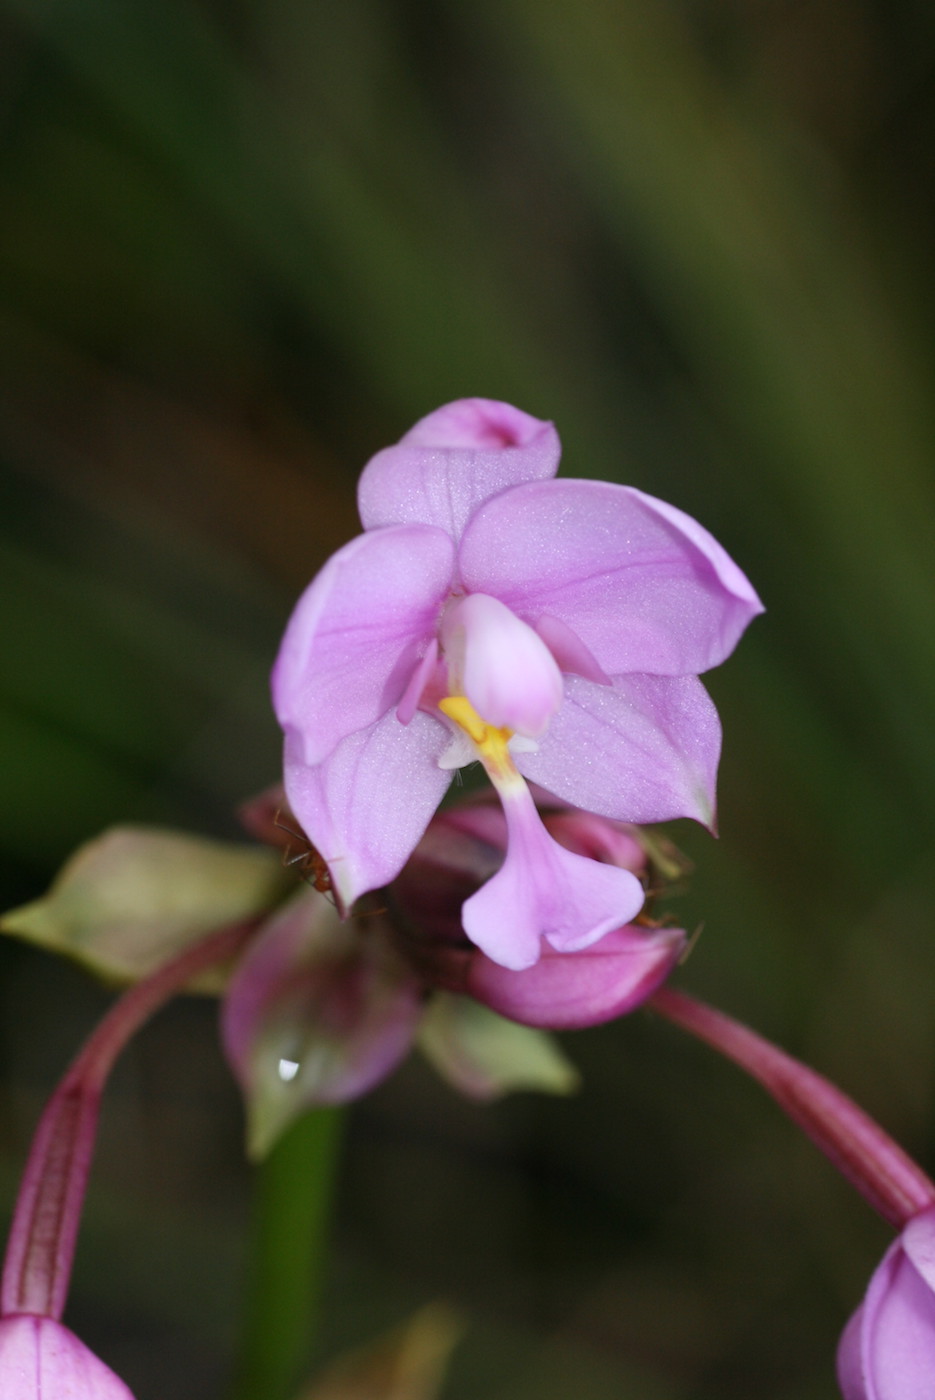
286	1263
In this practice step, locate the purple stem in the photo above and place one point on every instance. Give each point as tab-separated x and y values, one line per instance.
859	1148
41	1245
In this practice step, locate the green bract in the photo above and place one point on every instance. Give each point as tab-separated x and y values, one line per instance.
137	895
486	1056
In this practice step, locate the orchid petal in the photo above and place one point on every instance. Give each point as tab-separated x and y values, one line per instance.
418	681
569	650
501	665
919	1243
644	587
896	1334
42	1360
597	838
644	750
357	633
849	1365
542	891
566	991
455	855
366	806
476	423
453	460
317	1013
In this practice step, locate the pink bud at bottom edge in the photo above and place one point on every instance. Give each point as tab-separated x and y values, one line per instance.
887	1351
42	1360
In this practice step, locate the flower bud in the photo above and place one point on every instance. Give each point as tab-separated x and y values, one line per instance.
318	1011
42	1360
887	1351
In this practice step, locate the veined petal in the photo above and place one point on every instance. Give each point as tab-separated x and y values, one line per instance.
42	1360
542	891
366	806
644	587
503	667
645	749
453	460
357	634
897	1333
565	991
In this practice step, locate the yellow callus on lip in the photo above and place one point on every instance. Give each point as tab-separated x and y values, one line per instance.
492	743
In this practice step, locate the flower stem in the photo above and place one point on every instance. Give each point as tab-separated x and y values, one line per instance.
41	1246
292	1216
867	1156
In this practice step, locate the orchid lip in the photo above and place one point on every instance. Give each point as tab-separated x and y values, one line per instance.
545	892
542	891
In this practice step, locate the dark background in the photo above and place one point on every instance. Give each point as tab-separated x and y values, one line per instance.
243	246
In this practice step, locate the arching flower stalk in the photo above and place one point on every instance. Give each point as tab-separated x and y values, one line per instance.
887	1351
40	1358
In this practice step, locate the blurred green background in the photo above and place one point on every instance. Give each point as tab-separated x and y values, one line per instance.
243	245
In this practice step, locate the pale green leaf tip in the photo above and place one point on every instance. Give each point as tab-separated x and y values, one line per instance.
486	1056
269	1115
264	1128
552	1073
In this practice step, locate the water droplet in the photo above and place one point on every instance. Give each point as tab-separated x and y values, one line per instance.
288	1069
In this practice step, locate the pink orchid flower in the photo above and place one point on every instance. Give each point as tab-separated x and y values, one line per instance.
887	1351
552	630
